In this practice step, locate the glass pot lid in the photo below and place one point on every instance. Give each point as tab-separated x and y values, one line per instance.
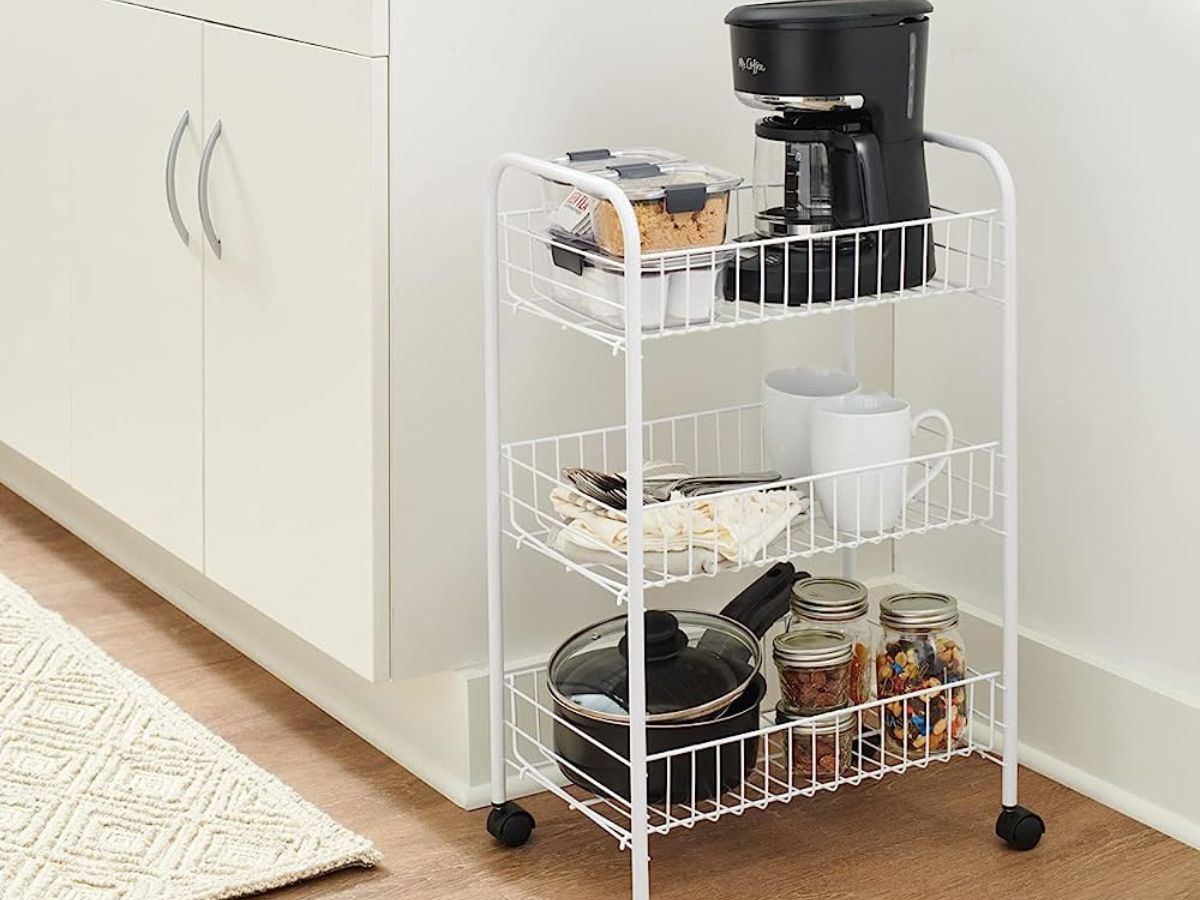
696	665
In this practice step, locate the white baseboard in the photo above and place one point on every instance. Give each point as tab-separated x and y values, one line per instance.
1110	737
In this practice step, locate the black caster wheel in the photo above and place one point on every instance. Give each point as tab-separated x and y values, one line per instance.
1020	828
510	824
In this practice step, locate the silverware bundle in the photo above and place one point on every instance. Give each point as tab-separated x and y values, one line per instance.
610	488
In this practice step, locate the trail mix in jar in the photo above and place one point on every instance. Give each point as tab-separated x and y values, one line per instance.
922	652
839	603
819	751
814	670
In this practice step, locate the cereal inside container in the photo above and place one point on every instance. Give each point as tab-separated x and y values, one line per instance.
814	670
566	215
678	206
819	751
922	651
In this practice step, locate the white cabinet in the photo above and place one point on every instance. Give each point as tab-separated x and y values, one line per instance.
296	339
358	26
231	407
38	155
136	320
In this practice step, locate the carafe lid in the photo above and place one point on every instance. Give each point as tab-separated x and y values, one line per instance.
827	13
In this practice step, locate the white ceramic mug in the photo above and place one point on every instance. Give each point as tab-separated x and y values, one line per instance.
869	430
789	397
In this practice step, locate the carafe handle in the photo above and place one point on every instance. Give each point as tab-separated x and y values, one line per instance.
870	177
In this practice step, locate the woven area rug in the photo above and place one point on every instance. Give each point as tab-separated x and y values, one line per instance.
108	791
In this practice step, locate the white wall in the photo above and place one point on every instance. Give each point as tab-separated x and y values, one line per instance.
1092	107
538	77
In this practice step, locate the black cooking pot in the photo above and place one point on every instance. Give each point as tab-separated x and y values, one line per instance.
702	684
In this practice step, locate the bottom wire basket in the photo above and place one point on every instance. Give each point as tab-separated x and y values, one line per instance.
777	762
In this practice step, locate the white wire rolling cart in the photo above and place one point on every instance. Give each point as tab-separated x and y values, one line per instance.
970	483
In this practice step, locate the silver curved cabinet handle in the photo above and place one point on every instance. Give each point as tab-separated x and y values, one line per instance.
172	200
202	189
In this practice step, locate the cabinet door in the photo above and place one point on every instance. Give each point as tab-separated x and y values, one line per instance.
296	339
136	322
38	149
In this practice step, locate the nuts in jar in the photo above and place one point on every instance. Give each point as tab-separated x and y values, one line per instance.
814	670
922	654
840	603
819	750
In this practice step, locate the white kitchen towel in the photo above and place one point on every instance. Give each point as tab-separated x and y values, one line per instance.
732	528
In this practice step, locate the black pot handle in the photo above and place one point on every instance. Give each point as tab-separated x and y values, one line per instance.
766	600
758	607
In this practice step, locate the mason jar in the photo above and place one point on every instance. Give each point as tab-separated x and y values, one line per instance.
839	603
814	670
820	751
920	656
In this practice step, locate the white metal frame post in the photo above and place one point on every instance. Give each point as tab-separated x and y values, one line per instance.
634	512
1008	445
491	376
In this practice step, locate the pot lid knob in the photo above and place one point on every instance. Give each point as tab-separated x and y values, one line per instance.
664	638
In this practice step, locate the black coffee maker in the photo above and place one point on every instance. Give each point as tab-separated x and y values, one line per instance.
844	148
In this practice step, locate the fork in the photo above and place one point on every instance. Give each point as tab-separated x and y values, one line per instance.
610	488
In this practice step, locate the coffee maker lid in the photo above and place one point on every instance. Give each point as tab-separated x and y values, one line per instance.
827	13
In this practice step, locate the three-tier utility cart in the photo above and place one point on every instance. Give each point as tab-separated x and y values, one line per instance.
970	484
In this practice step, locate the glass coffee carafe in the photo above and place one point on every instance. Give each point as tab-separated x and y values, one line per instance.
819	171
801	201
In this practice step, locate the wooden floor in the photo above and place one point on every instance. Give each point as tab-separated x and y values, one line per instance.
926	835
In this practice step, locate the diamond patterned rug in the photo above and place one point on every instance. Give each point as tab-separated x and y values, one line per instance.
109	791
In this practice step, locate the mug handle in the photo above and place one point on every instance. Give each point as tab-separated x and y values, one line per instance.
937	470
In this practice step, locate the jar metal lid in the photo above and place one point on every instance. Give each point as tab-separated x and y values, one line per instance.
832	725
812	648
829	599
918	610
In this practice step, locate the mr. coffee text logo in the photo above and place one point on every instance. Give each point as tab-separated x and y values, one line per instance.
751	65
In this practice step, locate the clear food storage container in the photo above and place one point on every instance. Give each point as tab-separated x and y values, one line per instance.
840	603
814	670
573	220
675	292
922	650
821	750
677	205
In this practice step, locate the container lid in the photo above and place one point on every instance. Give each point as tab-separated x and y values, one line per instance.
812	648
826	13
918	610
831	725
602	158
685	185
667	264
575	254
696	665
829	599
